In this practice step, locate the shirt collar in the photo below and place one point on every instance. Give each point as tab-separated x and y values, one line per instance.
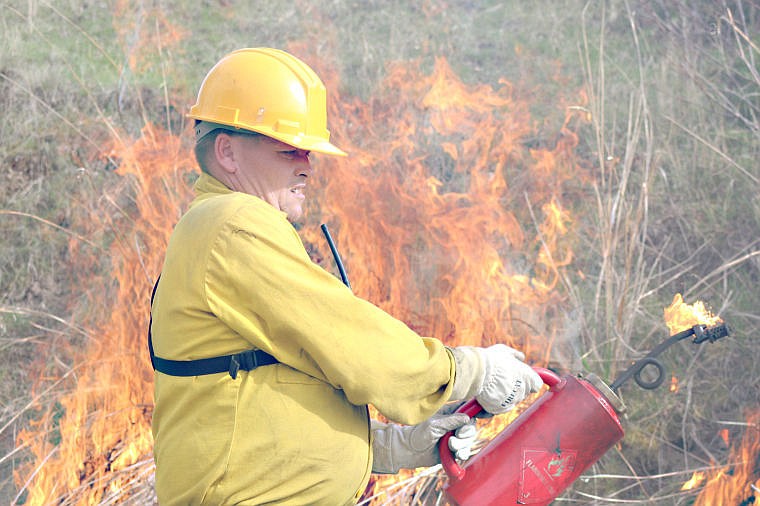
208	184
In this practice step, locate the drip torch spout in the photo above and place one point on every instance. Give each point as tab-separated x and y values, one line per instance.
701	334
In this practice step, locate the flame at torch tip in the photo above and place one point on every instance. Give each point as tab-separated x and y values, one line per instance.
680	316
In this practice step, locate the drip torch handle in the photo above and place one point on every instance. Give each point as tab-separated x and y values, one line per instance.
472	408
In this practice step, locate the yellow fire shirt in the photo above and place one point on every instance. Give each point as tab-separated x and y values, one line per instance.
237	277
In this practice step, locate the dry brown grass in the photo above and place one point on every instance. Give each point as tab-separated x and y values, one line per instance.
674	135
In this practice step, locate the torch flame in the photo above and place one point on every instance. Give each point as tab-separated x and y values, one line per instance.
680	316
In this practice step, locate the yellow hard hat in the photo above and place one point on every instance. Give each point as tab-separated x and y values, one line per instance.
267	91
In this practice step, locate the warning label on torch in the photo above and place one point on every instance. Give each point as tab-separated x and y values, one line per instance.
544	474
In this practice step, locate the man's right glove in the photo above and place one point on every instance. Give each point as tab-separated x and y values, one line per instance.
496	376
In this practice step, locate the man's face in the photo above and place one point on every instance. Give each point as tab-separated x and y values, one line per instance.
272	170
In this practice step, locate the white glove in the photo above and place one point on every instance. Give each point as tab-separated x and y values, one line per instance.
410	446
496	376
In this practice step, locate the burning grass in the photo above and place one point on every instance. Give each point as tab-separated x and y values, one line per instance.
739	479
416	249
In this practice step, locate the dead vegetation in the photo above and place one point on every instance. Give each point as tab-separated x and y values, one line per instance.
669	132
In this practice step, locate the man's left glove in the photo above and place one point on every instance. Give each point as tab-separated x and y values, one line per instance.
410	446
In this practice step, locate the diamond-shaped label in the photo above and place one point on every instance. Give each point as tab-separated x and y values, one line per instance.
544	474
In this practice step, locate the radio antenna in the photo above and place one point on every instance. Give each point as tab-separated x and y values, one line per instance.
336	255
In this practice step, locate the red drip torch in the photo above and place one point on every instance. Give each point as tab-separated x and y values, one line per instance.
545	449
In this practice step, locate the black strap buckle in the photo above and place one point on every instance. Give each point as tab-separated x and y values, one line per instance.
248	360
245	360
234	366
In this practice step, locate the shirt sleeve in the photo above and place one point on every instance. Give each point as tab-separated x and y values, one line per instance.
262	284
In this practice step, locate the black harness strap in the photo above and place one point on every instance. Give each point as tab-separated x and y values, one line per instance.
244	361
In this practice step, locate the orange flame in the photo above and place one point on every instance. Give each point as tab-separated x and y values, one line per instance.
145	32
674	384
724	435
442	156
739	481
449	247
696	480
443	215
88	445
680	316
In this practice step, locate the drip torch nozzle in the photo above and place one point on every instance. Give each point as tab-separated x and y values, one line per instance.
712	334
701	334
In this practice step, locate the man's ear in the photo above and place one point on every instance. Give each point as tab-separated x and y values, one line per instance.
224	153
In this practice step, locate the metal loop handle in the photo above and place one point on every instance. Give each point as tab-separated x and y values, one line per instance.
642	364
701	334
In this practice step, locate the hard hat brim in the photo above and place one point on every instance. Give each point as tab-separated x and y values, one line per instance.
305	142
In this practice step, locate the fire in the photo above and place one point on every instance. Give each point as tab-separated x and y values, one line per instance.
456	246
444	223
696	480
143	46
680	316
95	441
724	435
444	217
738	482
674	384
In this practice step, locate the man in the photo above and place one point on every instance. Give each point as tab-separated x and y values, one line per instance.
265	362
